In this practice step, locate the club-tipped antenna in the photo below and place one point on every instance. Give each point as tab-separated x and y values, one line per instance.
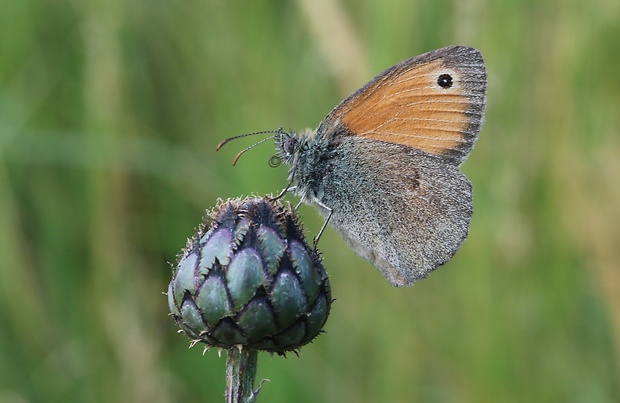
246	135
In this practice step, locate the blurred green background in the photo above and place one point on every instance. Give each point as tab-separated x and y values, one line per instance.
110	112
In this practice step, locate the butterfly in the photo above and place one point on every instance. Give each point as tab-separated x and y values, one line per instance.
383	166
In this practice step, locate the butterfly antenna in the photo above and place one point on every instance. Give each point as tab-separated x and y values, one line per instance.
245	135
250	147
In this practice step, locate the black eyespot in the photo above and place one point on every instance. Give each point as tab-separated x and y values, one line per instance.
274	161
445	81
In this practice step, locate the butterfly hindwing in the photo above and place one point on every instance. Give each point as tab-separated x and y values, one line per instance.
406	222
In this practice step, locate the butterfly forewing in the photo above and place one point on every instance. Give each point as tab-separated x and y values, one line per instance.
433	102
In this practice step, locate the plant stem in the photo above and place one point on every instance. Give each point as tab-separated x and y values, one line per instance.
240	374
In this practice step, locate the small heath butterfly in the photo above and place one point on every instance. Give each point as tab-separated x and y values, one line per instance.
383	166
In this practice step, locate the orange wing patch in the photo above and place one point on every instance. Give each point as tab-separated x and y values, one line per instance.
434	105
413	110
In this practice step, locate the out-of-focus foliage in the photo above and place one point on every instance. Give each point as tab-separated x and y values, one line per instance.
110	112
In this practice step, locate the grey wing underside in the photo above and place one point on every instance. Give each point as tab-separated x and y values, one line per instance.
405	211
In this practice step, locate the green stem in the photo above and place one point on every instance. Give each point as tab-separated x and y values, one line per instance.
240	374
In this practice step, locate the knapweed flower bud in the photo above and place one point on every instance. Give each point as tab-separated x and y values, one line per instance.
248	278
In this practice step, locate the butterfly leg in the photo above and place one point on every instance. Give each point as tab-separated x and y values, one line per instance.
287	189
329	215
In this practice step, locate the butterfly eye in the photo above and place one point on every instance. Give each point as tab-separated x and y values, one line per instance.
289	145
445	81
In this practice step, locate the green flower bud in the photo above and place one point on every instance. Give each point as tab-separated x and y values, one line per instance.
248	278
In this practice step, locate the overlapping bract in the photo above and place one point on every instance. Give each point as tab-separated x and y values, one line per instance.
249	278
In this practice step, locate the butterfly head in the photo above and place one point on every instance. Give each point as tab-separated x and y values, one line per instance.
290	145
